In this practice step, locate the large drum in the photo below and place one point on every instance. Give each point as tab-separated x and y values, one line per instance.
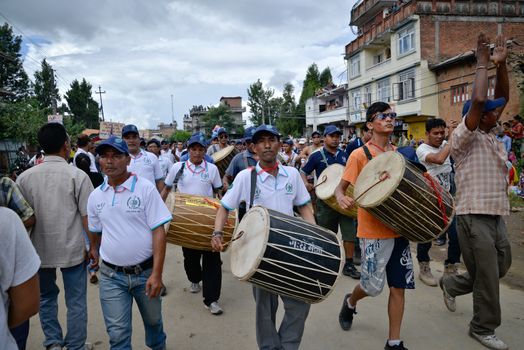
325	189
194	221
223	157
286	255
407	200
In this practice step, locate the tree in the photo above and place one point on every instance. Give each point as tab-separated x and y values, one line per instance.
21	120
220	115
325	77
288	123
46	91
180	135
81	104
310	85
14	83
259	103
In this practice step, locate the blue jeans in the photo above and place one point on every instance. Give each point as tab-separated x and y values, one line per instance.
117	291
453	246
75	289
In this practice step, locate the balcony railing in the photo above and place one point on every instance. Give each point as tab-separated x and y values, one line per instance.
368	9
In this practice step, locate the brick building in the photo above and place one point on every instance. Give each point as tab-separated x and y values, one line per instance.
414	55
193	122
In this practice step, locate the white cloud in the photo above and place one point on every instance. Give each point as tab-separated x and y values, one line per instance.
141	52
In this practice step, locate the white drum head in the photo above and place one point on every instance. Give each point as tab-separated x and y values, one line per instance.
247	251
223	153
329	180
391	162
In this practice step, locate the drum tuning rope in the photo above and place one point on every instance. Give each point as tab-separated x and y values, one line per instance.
324	179
439	197
384	175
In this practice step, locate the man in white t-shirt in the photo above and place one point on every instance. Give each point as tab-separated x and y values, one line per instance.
434	155
153	146
278	188
19	288
144	164
84	143
130	213
223	139
198	177
166	152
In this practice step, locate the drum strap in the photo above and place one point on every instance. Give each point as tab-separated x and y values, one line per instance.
253	186
367	152
179	175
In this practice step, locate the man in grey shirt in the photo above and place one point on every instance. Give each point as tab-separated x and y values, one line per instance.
58	194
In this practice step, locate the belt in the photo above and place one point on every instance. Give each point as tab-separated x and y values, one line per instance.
131	270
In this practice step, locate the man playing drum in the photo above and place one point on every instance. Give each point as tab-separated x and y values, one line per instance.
129	211
279	188
385	254
482	198
198	177
434	155
241	161
223	139
326	216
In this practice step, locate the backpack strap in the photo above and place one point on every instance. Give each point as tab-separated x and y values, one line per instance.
367	152
253	186
179	175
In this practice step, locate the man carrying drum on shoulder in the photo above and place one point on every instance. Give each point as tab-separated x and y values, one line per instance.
223	139
278	188
326	216
481	174
434	155
385	254
198	177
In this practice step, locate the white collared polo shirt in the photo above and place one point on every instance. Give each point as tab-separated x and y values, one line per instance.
196	179
145	165
127	216
278	193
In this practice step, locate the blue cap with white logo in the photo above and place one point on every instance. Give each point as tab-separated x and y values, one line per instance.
114	142
198	139
264	128
128	129
331	129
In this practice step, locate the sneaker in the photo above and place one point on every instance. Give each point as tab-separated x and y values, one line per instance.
54	347
450	269
351	271
449	301
395	347
345	317
490	341
214	308
194	288
357	257
93	279
425	274
440	242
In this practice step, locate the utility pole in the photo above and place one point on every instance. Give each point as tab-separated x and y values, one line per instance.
53	100
100	92
172	110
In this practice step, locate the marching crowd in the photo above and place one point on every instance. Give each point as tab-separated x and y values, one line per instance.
98	214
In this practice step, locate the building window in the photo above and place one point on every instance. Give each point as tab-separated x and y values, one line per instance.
367	96
406	40
491	86
355	67
405	88
459	94
383	91
355	100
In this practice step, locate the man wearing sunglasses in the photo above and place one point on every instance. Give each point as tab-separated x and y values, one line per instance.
386	253
223	139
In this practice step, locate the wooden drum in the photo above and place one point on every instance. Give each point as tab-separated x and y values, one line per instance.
194	221
223	157
407	200
325	189
286	255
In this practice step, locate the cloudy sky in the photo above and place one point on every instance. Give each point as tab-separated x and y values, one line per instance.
142	52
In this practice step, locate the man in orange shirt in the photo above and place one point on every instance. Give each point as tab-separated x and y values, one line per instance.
385	254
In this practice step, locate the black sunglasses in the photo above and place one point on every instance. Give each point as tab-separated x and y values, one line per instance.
383	116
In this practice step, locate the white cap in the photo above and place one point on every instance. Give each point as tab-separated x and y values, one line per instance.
302	141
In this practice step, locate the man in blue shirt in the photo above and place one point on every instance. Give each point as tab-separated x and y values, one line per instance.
325	215
365	136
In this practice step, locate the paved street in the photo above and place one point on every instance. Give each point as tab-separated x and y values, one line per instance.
427	323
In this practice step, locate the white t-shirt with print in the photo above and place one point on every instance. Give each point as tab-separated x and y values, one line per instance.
18	263
126	216
441	172
278	193
196	179
145	165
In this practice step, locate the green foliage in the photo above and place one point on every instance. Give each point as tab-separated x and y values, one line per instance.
21	120
46	91
13	78
220	115
180	135
81	104
288	123
325	77
259	103
310	85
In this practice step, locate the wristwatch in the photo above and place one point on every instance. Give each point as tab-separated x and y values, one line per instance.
216	233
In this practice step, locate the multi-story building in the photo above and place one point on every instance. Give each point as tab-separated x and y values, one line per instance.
194	123
404	49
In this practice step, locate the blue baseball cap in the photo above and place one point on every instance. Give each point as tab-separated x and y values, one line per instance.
316	132
130	128
331	129
220	131
200	139
488	106
265	128
114	142
289	142
248	133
